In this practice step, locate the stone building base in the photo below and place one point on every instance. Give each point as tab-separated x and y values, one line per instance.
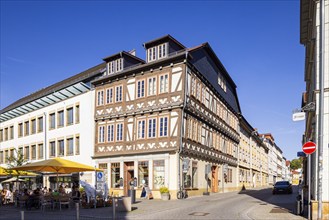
314	210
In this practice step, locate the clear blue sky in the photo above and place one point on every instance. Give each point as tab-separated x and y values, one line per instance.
43	42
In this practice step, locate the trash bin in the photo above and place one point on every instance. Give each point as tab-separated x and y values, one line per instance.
132	194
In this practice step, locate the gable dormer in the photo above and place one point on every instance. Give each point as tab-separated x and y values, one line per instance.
120	61
161	48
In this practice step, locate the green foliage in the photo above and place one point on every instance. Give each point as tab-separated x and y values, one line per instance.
296	164
164	189
17	159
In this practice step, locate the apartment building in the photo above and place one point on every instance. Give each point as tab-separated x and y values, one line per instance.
56	121
171	121
314	35
253	157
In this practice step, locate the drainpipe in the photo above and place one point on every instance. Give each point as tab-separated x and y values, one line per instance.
182	122
45	145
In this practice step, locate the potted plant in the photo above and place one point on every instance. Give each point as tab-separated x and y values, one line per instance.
164	191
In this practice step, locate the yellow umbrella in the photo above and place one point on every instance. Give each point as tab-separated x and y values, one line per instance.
8	172
57	165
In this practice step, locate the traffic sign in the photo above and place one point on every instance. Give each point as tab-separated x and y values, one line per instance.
309	147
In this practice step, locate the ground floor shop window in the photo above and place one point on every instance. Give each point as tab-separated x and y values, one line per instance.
194	174
115	175
158	174
143	173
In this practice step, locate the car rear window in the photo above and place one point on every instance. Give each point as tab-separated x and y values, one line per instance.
282	183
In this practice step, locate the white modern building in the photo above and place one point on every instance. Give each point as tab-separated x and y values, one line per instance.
53	122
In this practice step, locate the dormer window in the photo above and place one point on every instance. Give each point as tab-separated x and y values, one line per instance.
119	65
115	66
157	52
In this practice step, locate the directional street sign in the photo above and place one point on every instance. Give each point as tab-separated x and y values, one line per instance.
309	147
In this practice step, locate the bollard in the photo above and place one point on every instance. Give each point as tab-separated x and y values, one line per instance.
298	207
77	210
113	205
22	215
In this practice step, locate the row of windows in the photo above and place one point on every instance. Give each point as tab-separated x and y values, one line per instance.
199	133
32	126
115	66
144	87
62	147
202	93
62	117
158	52
145	128
7	133
143	175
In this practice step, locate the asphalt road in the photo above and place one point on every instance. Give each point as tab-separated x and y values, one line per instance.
249	204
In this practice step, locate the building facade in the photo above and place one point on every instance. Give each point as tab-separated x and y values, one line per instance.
314	35
53	122
172	121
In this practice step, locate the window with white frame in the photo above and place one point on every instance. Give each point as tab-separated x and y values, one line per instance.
119	65
119	132
164	83
77	145
40	124
69	146
140	88
141	129
40	151
52	149
101	134
118	94
222	81
69	116
152	128
109	95
60	118
60	147
110	133
162	51
163	127
100	98
151	54
111	67
152	86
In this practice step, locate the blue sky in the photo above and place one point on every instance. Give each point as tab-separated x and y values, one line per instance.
43	42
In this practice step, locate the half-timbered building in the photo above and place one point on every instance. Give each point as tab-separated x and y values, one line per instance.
170	121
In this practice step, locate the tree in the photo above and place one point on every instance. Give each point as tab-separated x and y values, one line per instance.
296	164
16	159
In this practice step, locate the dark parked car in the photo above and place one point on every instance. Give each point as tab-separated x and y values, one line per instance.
282	187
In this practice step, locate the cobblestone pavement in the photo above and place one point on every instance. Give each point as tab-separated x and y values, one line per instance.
140	210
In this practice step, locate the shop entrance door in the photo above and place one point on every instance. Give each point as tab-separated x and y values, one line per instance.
214	179
128	176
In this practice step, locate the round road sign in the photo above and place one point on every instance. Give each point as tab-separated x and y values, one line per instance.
309	147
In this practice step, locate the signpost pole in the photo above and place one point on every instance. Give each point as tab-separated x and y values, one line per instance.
309	186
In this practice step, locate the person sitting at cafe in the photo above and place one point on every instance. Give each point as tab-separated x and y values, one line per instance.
76	194
8	196
34	199
3	194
